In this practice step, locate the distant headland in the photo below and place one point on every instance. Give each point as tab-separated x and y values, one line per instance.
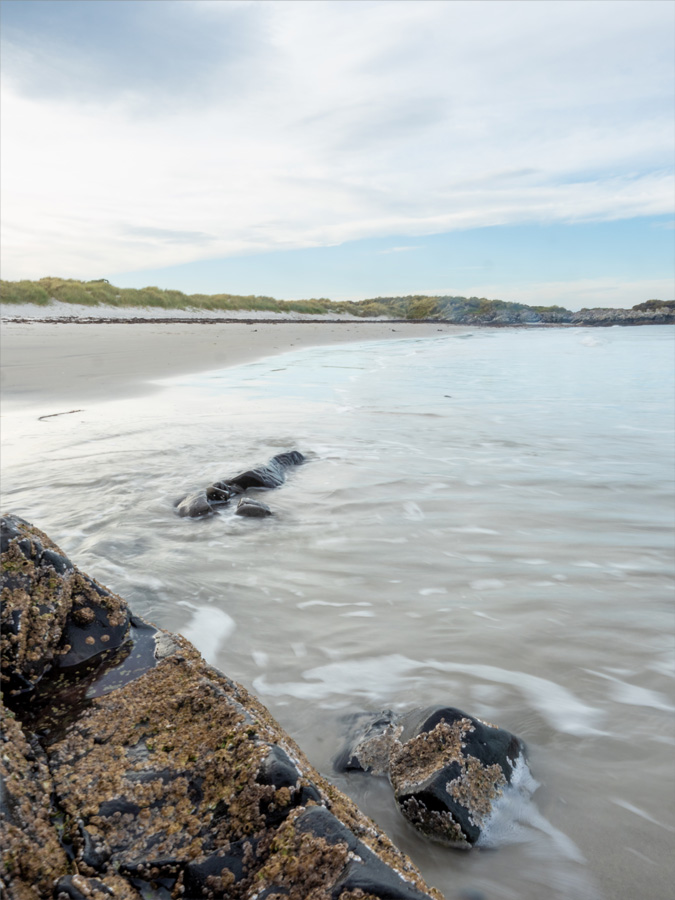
454	310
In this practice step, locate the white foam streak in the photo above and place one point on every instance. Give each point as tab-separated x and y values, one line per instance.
208	629
640	812
382	678
515	817
633	694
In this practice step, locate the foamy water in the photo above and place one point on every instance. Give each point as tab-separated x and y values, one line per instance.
485	521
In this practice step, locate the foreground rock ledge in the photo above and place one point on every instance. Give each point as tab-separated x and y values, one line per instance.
132	769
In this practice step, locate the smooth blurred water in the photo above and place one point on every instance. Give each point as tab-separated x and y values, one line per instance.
486	520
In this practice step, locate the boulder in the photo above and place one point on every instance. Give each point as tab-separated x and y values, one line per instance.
251	508
207	502
137	770
453	775
52	616
269	476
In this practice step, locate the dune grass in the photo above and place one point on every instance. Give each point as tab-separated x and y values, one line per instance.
102	293
460	310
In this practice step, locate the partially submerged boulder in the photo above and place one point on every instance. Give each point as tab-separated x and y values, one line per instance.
252	509
141	771
208	501
451	772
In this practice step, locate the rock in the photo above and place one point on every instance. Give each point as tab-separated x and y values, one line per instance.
52	616
255	509
144	772
642	314
32	855
271	475
195	506
208	501
452	773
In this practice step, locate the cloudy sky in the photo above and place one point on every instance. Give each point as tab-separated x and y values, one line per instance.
520	150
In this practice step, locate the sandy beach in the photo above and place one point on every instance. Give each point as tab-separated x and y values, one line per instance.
77	363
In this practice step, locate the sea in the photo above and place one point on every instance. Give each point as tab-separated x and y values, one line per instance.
485	520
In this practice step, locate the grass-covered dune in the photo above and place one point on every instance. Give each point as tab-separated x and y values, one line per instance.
102	293
458	310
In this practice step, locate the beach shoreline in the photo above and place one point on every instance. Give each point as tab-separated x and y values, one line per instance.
55	362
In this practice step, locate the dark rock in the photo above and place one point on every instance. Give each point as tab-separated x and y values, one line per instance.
168	779
51	615
220	493
370	744
450	771
269	476
208	501
253	509
195	506
77	887
220	871
362	870
32	854
95	853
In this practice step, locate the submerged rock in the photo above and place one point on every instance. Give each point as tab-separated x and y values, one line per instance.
208	501
255	509
141	771
451	772
269	476
195	505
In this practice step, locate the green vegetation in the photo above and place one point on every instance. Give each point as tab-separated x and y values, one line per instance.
466	310
418	307
102	293
655	304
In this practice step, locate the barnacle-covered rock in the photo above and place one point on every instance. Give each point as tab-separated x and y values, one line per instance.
156	776
32	856
451	772
52	615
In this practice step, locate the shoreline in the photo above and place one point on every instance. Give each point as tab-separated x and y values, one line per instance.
53	362
239	320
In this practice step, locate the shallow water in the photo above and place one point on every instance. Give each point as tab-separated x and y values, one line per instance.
485	521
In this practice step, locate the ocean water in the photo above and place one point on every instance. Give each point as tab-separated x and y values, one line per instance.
485	520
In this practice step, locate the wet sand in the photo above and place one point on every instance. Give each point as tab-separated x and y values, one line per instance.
59	363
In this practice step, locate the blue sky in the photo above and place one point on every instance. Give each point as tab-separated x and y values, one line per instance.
507	149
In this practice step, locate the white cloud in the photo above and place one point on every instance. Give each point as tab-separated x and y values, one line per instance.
341	121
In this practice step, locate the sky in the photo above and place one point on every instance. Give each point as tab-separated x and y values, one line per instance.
514	150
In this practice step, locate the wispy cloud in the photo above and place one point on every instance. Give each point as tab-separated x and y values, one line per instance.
240	127
150	57
166	235
397	250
